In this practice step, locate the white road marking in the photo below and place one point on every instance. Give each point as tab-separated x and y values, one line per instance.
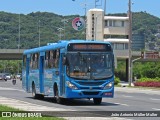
154	99
127	96
156	109
122	104
3	88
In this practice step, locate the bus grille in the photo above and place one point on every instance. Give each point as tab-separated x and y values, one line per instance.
90	93
91	83
94	88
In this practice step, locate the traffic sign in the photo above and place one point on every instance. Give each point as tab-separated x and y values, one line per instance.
78	23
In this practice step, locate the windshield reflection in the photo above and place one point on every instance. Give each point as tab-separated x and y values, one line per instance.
89	65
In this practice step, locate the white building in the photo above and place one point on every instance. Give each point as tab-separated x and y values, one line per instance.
105	28
95	24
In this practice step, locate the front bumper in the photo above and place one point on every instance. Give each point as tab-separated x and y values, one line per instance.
89	93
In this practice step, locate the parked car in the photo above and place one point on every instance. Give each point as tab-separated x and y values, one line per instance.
18	76
3	77
8	76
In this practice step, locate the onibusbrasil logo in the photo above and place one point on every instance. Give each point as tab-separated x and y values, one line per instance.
78	23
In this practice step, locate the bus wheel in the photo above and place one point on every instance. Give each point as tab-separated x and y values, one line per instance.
97	101
34	95
41	97
58	99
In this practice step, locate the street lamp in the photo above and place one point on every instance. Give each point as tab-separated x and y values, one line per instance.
60	31
129	46
64	22
96	2
85	11
19	33
39	34
105	7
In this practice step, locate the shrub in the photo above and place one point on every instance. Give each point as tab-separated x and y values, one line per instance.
116	80
148	82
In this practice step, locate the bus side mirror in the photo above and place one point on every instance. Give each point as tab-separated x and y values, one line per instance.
65	61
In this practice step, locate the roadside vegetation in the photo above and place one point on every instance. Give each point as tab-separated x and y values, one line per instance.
116	80
11	66
145	74
9	109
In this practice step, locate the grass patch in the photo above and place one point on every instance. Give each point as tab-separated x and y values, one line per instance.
118	85
10	109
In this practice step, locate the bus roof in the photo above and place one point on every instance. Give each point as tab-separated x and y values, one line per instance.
60	44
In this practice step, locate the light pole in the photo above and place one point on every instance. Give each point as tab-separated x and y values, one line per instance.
39	34
60	31
104	7
129	46
19	33
64	22
85	17
96	2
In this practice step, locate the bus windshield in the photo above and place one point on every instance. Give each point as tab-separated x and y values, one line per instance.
93	66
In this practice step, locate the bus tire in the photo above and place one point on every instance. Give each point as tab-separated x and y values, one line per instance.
97	101
34	95
59	100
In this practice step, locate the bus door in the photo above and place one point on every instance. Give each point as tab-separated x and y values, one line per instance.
27	73
41	73
62	76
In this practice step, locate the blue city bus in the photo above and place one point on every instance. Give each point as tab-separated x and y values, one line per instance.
72	69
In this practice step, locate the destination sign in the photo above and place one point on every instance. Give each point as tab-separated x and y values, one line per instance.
89	47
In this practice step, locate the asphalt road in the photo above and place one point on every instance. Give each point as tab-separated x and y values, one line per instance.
125	99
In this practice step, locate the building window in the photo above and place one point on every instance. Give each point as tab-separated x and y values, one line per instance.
122	24
119	46
114	23
126	45
110	23
106	22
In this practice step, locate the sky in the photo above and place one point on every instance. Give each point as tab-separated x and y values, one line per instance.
76	7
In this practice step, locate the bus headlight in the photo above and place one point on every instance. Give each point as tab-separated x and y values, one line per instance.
70	85
109	85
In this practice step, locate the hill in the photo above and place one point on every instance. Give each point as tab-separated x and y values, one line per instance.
45	26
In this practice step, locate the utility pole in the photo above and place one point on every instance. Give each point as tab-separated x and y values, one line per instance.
130	43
